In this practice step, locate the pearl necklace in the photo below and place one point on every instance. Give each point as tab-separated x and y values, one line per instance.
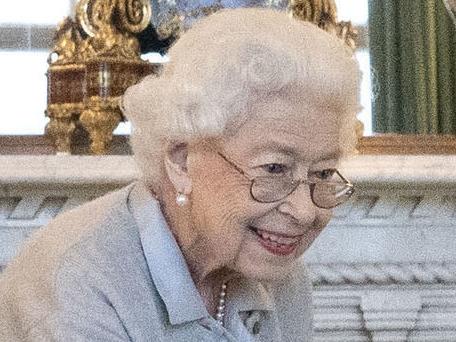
221	305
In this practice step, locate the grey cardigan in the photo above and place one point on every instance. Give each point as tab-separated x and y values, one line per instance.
86	277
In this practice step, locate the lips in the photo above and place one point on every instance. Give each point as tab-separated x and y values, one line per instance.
276	243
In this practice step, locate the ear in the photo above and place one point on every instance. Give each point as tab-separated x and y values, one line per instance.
176	167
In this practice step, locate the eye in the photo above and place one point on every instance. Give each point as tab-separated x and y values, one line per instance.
274	168
326	174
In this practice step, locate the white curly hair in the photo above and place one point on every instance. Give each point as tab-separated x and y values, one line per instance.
228	60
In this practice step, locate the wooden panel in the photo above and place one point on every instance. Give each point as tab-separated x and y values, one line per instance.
407	144
38	144
379	144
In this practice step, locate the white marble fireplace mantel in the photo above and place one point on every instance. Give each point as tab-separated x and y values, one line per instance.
365	169
384	269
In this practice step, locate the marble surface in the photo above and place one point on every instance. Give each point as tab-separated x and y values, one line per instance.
363	170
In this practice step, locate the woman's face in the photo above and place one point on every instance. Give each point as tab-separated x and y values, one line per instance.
235	231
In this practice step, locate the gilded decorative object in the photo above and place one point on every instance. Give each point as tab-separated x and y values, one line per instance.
134	15
95	58
323	13
127	16
106	81
99	118
62	125
347	33
67	40
110	25
320	12
65	101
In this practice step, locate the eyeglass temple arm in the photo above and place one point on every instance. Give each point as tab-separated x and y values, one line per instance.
241	171
344	179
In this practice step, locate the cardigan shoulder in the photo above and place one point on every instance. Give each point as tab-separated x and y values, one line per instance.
91	244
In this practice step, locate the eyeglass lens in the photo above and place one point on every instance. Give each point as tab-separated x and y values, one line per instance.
324	194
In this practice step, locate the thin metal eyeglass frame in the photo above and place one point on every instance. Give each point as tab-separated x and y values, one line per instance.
348	184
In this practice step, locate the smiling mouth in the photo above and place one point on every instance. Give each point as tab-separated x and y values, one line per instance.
277	244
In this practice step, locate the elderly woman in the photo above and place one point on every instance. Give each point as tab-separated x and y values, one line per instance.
238	142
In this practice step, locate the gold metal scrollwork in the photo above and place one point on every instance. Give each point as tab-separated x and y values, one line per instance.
94	15
320	12
100	41
347	33
111	25
67	41
134	15
323	13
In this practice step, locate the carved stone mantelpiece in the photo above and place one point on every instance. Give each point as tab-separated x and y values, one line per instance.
383	270
421	313
385	267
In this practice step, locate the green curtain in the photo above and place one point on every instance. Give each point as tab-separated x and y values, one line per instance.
413	56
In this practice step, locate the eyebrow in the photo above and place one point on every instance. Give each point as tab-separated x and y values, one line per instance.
274	147
331	156
290	151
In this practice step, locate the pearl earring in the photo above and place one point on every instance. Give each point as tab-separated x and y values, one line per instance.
181	199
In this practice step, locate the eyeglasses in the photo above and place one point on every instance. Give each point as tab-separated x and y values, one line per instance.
325	194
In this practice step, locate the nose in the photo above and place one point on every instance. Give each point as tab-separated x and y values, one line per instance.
300	206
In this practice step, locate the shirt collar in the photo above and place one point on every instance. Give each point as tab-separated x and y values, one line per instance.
170	272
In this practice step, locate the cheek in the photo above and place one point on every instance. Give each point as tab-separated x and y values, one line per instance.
220	191
218	202
221	202
217	194
321	222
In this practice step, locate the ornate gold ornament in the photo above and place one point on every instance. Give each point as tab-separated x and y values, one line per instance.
99	118
111	25
62	124
95	58
320	12
67	40
346	32
323	13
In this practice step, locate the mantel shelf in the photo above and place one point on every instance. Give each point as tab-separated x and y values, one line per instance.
364	169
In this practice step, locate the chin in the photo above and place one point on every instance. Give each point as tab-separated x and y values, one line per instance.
265	272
